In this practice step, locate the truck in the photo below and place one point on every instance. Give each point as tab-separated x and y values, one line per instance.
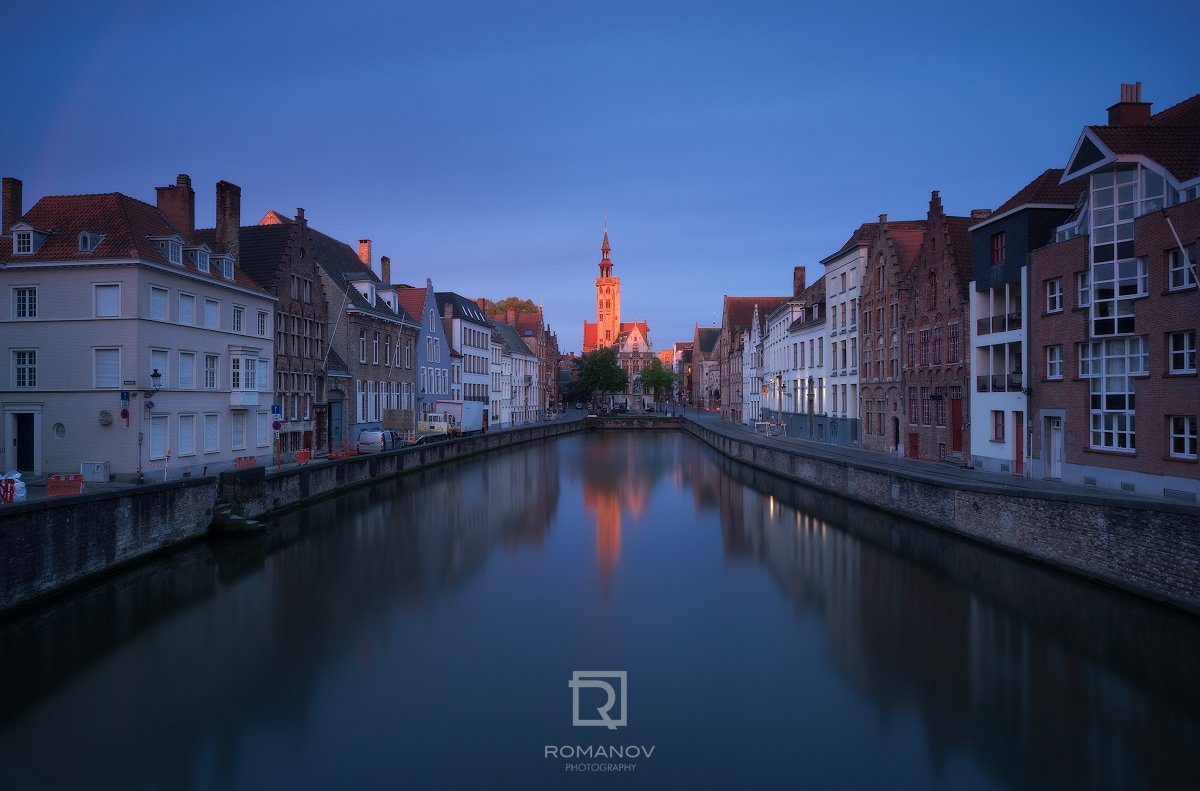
462	417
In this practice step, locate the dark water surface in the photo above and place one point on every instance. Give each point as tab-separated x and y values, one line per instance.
422	633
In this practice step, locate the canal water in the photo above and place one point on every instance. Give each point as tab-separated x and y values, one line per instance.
723	629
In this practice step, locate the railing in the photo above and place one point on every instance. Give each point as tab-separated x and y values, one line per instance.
983	384
1000	323
999	383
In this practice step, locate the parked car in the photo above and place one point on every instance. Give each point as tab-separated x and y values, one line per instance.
378	440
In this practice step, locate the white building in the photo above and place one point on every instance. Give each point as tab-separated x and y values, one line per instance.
781	362
843	271
470	335
130	348
808	334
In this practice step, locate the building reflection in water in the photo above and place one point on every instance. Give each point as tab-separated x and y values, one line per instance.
1050	682
614	483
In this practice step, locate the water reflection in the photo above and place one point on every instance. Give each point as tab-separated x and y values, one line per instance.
347	645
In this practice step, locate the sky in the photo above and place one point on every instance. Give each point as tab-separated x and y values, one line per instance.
483	144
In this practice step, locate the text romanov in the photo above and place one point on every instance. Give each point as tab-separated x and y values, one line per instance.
599	751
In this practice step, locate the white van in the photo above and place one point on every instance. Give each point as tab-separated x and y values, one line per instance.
378	440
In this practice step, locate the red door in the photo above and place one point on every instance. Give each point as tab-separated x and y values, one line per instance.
956	424
914	446
1018	443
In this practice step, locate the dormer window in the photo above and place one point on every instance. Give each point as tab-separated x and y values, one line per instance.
172	248
227	268
199	257
89	241
23	242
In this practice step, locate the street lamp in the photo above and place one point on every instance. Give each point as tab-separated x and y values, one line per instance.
155	384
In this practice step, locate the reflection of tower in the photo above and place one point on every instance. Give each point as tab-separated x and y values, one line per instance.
610	485
604	332
606	505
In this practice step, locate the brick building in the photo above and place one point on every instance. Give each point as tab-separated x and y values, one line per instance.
705	381
1119	308
933	320
884	285
737	316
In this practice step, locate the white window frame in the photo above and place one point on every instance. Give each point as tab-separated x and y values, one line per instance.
22	242
1054	362
115	381
1181	272
160	430
189	321
16	303
216	317
212	365
164	355
263	329
262	435
213	418
239	318
1181	352
165	293
237	426
1083	289
1054	295
186	419
1182	429
103	288
30	366
187	382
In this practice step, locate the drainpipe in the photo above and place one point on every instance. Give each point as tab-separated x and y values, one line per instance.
1191	264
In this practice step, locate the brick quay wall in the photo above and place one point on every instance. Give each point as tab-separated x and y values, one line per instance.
1148	548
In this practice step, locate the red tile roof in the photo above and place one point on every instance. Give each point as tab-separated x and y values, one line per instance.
739	311
1171	138
1185	113
1043	189
412	300
908	244
126	224
589	335
644	326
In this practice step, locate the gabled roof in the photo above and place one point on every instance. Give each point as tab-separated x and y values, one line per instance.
334	363
510	338
907	243
260	249
412	300
1171	138
462	307
127	225
343	266
863	235
707	337
813	295
739	311
642	325
1045	189
959	229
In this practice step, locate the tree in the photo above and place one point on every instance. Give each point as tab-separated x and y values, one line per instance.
513	303
657	379
601	374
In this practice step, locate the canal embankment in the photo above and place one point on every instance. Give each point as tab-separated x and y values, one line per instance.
1146	547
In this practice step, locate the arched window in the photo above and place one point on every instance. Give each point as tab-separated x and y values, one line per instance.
879	273
932	289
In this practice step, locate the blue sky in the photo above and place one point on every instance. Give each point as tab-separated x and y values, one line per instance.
482	144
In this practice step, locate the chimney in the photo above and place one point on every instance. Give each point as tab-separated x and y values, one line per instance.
364	252
510	317
11	197
1131	110
481	302
980	214
385	270
229	217
883	219
798	279
448	310
178	204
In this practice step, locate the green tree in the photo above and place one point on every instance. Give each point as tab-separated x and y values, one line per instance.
657	379
515	303
601	374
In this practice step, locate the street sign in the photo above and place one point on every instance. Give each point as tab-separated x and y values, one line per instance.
276	425
276	409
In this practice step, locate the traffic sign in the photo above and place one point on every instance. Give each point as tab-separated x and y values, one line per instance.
276	425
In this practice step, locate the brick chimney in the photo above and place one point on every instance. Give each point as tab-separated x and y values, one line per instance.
980	214
482	303
229	217
1131	110
11	198
448	310
510	317
798	281
364	252
178	204
385	270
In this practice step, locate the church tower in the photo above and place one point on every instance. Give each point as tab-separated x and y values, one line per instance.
608	305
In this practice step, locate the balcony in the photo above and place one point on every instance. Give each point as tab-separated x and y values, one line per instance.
983	384
1001	323
999	383
243	399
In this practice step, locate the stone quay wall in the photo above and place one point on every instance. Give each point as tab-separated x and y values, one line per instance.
1148	548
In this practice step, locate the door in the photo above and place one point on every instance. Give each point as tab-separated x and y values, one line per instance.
956	425
335	425
23	440
1055	460
914	445
1018	461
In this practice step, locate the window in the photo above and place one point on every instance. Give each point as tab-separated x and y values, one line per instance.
432	319
264	367
237	421
387	350
1054	362
187	435
932	291
1054	302
158	362
362	346
107	367
24	242
158	436
937	345
925	346
262	324
263	438
408	354
911	350
998	248
952	331
212	435
25	363
187	371
227	270
1183	352
25	302
1181	272
1083	285
235	373
212	314
912	405
1183	436
238	313
175	252
375	349
210	371
158	303
201	258
187	309
997	425
926	407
